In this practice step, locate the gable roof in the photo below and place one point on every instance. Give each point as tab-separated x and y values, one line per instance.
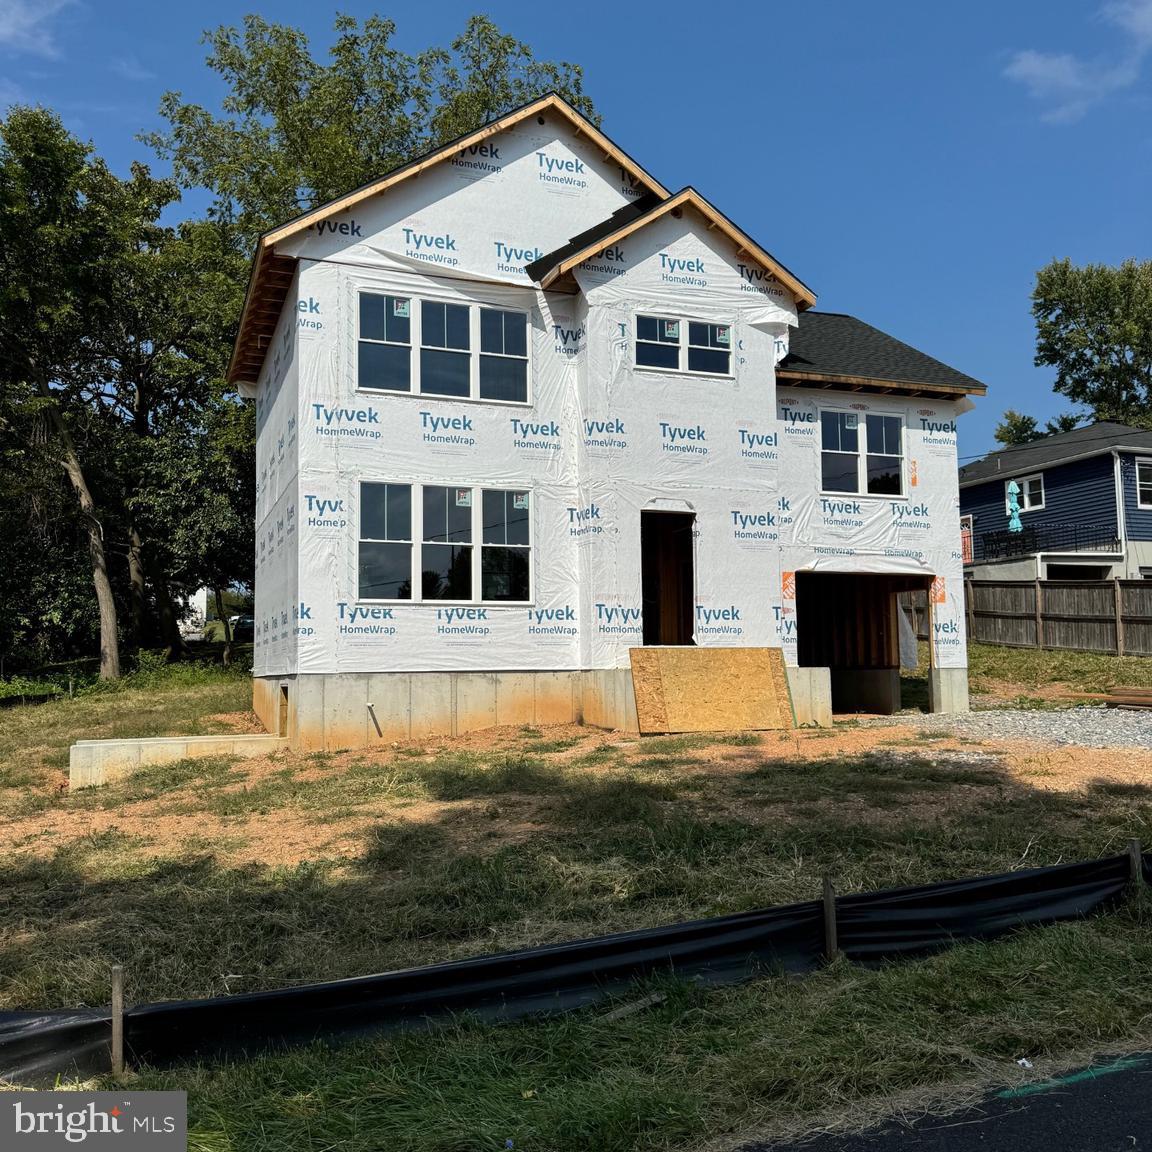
832	350
551	271
1092	440
272	273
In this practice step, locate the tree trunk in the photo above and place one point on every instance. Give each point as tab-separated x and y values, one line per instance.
70	462
225	625
169	624
138	597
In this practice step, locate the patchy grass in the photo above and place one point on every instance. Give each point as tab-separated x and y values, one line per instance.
991	667
213	876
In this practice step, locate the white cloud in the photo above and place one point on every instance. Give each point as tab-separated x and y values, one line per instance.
25	25
130	68
1067	86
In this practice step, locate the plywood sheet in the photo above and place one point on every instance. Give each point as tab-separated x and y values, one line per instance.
710	689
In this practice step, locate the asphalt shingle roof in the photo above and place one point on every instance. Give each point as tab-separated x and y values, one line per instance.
832	344
1093	439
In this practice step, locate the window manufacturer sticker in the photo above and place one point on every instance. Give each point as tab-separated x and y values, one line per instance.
722	336
851	420
519	500
671	329
402	308
463	497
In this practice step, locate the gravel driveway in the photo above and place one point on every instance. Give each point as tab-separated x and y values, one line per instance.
1070	727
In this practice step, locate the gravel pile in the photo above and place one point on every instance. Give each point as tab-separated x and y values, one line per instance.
1071	727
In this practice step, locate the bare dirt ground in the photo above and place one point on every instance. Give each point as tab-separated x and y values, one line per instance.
298	820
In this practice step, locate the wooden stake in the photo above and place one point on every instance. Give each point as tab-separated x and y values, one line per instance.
831	946
117	1020
1119	602
1135	862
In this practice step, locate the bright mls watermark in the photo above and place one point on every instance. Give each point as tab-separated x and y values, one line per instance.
47	1121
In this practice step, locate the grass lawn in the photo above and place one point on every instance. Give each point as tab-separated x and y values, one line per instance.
212	876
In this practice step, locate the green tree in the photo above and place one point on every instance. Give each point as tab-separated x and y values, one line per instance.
1094	326
297	132
1016	428
64	223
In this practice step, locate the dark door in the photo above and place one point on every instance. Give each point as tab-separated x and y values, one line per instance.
667	576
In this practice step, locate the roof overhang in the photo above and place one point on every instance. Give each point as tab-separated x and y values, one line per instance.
267	287
559	275
842	383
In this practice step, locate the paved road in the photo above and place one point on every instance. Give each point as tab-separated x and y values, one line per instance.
1105	1108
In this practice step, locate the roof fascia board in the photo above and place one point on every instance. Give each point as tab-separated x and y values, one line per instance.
690	197
822	380
1026	469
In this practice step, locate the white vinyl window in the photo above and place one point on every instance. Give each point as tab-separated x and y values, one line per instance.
677	345
863	455
1031	494
419	543
438	348
1144	483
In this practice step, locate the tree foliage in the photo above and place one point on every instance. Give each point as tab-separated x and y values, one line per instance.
1017	428
1094	326
297	132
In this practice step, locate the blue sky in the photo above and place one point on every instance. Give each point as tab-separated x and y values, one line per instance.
914	163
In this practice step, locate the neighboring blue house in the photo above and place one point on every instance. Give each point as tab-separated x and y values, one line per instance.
1085	503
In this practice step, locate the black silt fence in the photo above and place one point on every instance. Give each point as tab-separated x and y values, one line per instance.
871	928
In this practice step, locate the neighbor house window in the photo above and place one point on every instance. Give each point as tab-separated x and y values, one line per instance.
1031	494
678	345
1144	483
419	543
863	455
385	558
446	337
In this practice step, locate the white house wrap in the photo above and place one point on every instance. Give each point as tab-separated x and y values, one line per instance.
466	418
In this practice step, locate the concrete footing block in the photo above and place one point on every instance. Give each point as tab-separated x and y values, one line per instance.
948	689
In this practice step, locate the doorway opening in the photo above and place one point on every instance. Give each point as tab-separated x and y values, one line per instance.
667	575
849	623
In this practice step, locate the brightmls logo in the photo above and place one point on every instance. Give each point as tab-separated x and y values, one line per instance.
146	1121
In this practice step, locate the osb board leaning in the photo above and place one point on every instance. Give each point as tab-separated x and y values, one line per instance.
710	689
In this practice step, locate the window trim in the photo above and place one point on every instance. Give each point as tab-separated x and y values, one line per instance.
1021	481
682	347
1147	461
476	544
415	344
862	455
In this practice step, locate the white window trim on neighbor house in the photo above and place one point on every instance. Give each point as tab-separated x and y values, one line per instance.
1143	462
415	540
415	344
1022	482
683	346
862	453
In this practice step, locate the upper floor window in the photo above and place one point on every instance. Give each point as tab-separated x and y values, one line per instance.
419	543
864	456
1031	494
683	345
392	329
1144	483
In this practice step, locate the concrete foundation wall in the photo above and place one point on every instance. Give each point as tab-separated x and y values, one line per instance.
811	690
102	761
359	710
866	690
948	689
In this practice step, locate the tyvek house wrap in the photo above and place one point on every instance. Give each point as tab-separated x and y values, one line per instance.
601	441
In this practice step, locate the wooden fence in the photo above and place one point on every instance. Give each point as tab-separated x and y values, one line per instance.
1113	616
